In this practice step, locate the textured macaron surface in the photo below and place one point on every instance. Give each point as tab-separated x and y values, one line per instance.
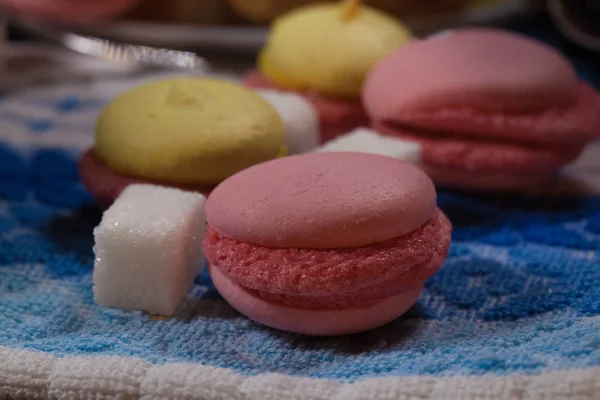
333	278
188	131
322	200
485	69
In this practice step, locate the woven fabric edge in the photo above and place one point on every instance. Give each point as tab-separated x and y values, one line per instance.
28	374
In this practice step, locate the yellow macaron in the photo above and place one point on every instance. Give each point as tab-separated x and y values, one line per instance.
188	131
329	48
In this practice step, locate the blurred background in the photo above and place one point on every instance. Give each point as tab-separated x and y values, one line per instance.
259	12
236	12
239	27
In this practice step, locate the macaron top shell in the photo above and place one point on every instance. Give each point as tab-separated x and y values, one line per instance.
322	200
486	69
188	131
317	47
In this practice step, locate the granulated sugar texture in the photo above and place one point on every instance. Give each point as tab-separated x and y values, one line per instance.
148	249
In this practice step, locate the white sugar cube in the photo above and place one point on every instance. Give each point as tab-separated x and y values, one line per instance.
364	140
300	120
148	249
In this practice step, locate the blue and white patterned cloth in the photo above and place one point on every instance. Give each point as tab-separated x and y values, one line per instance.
514	313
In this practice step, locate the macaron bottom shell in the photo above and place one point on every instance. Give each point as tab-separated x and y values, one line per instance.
336	116
312	322
105	184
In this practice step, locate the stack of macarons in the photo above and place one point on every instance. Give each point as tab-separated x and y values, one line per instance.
189	133
491	109
324	52
325	243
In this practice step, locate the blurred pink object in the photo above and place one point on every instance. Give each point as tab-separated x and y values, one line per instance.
67	10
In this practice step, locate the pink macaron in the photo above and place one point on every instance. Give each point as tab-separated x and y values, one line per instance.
325	243
336	116
70	10
492	109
